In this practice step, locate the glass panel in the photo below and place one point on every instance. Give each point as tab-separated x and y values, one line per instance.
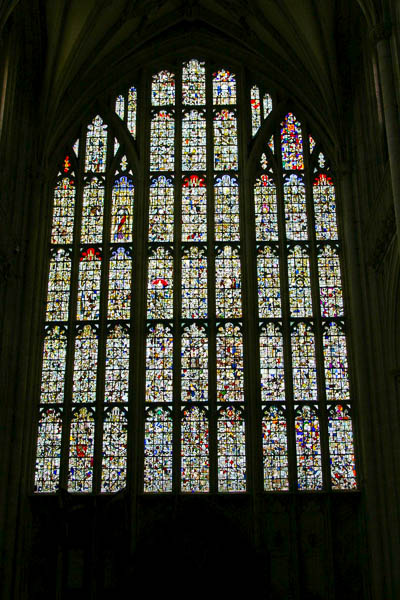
119	284
193	83
92	212
312	143
266	209
89	285
48	453
194	209
194	364
194	451
85	365
161	210
194	283
158	451
330	282
96	146
341	449
269	292
267	105
117	365
231	451
325	208
58	286
295	208
131	114
81	448
163	89
160	285
276	472
120	107
123	194
299	283
308	449
230	387
115	442
271	364
226	198
53	368
225	141
228	283
336	367
291	143
193	141
159	360
255	109
63	212
303	363
162	138
224	87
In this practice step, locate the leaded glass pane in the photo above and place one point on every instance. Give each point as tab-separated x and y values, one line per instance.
58	289
158	451
96	146
194	209
92	212
336	367
330	282
193	83
303	364
231	450
81	447
299	283
194	364
53	366
161	210
117	365
160	284
159	359
341	448
48	452
271	364
85	365
276	468
120	284
230	380
194	141
194	283
308	449
162	138
226	199
225	141
89	285
115	457
269	292
63	212
194	450
122	210
228	283
224	87
291	143
295	208
266	209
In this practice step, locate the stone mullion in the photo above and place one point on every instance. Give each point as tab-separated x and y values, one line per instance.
213	446
177	297
317	322
286	322
72	319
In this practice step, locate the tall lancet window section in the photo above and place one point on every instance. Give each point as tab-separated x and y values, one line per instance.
83	420
304	378
194	422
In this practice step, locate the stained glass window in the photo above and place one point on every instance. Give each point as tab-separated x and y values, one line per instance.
183	296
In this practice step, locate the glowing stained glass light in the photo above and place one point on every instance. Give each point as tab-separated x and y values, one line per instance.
115	455
226	199
89	285
324	208
163	89
321	160
312	143
194	364
63	212
158	451
194	283
85	365
266	209
194	450
80	477
96	146
271	364
159	359
117	365
119	284
304	364
271	144
194	209
53	367
269	291
330	282
267	105
224	87
193	83
255	109
48	453
122	210
131	111
92	212
228	283
161	210
59	282
162	142
308	449
291	143
231	450
193	141
225	141
299	283
120	106
275	458
229	349
341	448
160	284
75	148
336	365
295	208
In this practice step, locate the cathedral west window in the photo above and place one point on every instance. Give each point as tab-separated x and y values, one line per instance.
194	298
